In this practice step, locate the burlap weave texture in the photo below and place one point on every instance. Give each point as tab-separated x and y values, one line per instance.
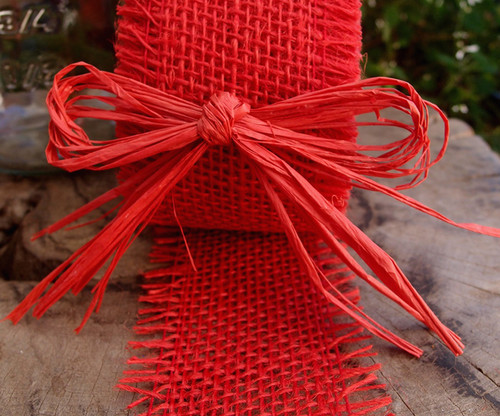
263	51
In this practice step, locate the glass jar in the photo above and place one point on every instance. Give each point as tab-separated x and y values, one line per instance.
37	39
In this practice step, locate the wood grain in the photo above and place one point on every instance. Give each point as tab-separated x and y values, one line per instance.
458	274
46	369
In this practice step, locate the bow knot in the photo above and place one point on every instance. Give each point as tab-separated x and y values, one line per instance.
218	117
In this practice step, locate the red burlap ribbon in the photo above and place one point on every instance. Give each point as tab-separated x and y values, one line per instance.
273	141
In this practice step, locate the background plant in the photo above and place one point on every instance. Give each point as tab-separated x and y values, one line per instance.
448	49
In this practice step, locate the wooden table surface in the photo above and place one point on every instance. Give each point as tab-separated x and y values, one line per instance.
456	271
47	370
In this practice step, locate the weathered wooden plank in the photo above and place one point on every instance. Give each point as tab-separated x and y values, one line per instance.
39	202
457	272
45	369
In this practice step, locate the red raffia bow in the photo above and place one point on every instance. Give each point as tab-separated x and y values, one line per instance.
271	139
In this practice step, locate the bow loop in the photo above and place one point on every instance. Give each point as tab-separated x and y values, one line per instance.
167	122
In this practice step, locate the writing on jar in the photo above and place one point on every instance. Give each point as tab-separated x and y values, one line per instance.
32	20
36	73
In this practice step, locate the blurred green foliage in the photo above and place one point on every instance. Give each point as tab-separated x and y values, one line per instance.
448	49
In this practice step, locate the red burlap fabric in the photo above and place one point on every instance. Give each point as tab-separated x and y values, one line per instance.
237	320
263	51
248	333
